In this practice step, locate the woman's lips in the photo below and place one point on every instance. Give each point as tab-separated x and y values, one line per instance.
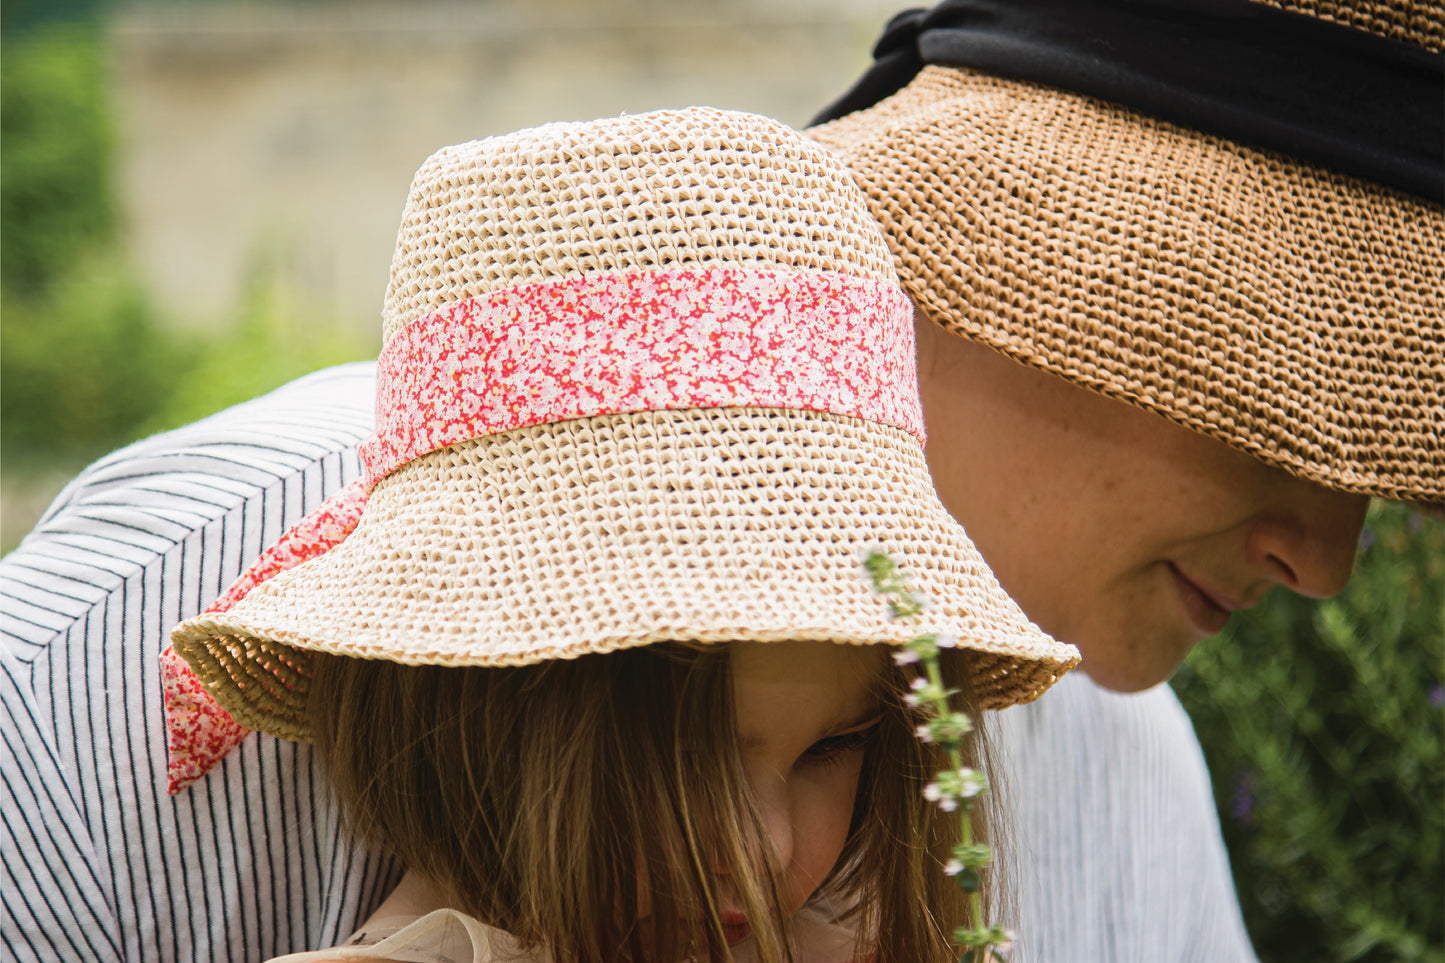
1207	611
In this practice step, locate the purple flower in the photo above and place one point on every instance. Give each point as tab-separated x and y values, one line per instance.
1241	802
1437	695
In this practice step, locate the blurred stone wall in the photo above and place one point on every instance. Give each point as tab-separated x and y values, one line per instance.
274	144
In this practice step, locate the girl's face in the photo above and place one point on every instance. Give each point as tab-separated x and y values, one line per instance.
804	711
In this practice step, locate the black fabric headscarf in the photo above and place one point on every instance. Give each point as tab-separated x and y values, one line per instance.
1328	94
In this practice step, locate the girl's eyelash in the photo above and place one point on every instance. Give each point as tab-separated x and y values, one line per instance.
828	750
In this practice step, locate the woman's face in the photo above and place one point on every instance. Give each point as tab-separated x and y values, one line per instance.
1115	529
803	711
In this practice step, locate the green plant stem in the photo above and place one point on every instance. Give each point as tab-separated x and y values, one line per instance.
965	830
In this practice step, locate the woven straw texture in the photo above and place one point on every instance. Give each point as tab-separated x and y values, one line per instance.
1290	312
594	534
1422	24
569	199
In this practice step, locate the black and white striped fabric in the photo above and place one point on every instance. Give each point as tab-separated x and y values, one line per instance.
1119	855
98	863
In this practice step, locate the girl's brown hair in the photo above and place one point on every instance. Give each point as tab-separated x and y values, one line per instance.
559	802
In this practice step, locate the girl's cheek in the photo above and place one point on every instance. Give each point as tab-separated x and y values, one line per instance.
824	810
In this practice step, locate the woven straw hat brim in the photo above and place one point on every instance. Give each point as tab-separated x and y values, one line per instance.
1292	313
1419	22
596	534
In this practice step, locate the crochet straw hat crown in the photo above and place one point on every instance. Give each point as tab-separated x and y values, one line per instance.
1228	213
647	378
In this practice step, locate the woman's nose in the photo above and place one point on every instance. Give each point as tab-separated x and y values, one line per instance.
1309	544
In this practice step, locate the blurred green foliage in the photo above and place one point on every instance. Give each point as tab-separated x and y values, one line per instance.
85	363
18	16
55	198
83	366
1324	730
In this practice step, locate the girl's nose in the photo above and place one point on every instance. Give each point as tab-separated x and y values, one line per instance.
1309	547
776	811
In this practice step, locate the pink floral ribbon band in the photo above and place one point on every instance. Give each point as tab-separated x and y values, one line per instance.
598	344
644	341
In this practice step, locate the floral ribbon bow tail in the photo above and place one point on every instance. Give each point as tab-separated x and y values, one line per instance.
199	733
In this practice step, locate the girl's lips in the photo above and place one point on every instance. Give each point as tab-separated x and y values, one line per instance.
736	932
734	926
1208	613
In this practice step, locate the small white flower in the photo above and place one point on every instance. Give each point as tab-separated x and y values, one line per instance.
905	657
918	682
932	793
948	805
910	699
924	733
952	868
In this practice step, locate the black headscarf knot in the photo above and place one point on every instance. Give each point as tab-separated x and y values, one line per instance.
896	61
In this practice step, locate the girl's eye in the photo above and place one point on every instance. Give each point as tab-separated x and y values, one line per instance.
831	750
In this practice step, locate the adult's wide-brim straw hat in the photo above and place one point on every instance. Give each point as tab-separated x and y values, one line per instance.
1227	213
648	378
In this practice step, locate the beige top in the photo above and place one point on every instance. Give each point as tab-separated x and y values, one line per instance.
447	936
442	936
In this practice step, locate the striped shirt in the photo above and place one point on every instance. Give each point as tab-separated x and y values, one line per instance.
1119	850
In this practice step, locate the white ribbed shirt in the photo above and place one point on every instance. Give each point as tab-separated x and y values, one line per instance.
1119	851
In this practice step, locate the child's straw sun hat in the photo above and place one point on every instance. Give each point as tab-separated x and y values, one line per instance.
649	378
1227	213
